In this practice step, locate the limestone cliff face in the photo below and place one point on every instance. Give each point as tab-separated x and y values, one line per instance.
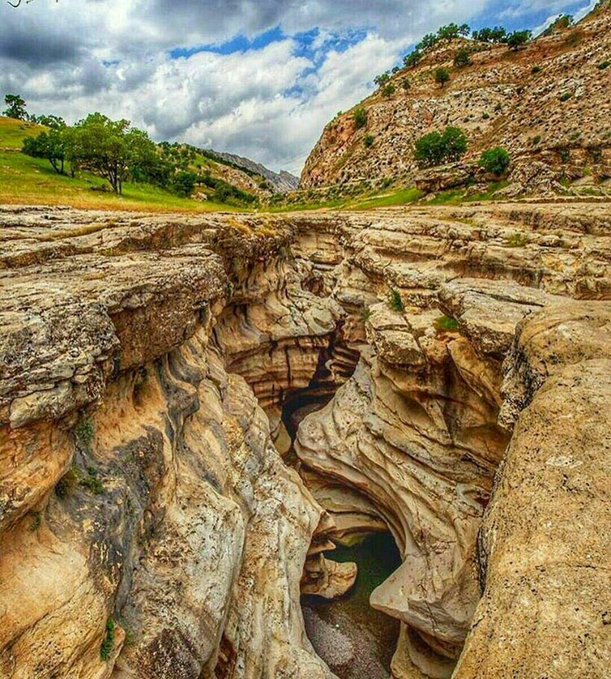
547	104
155	369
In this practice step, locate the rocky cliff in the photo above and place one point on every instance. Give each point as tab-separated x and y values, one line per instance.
547	104
441	373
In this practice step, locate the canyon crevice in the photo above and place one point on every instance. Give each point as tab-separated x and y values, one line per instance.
195	409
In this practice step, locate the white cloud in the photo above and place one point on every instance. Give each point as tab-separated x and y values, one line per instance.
78	56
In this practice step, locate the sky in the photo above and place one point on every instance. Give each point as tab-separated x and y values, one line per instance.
260	78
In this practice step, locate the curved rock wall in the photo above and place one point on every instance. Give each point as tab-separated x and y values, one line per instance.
149	527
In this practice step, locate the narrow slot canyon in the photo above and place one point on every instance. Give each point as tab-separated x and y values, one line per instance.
289	447
353	638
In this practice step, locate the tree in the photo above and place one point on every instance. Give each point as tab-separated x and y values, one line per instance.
495	161
413	58
518	39
50	145
442	76
436	148
381	80
427	43
112	149
360	118
54	122
463	58
15	107
492	35
452	31
389	90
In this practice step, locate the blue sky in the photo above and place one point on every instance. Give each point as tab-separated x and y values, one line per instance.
260	78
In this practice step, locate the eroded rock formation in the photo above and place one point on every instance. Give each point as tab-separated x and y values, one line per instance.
155	368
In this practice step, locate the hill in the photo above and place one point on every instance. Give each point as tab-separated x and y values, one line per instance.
278	182
547	104
26	180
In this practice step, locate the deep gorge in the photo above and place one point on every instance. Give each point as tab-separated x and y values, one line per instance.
196	410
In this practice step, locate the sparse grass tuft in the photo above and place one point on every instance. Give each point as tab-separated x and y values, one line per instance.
517	240
108	644
92	482
447	324
37	522
395	302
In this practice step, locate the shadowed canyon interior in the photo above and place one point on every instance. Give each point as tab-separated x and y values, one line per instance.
197	410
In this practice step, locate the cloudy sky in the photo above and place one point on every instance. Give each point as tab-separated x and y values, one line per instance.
255	77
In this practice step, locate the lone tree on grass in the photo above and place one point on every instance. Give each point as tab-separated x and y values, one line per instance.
113	149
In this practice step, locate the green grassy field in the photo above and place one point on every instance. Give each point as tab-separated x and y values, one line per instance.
29	181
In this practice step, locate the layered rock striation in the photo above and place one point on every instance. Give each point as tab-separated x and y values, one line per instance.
155	369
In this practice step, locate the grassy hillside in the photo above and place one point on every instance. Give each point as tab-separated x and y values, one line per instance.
25	180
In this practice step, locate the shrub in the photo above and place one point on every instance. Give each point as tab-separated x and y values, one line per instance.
84	433
366	313
368	141
447	324
495	161
183	183
518	39
516	240
389	90
603	65
536	69
565	96
463	58
67	482
92	482
442	76
406	84
395	302
360	118
108	644
436	148
563	22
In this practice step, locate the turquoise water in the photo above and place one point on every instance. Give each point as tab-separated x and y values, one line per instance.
356	641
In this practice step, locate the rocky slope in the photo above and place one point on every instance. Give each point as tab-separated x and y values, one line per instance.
155	369
547	104
280	182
